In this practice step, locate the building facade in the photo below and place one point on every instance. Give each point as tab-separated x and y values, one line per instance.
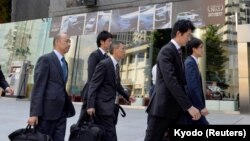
133	22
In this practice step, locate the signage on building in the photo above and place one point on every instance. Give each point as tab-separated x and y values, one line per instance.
91	21
214	11
73	24
125	19
189	10
149	17
55	26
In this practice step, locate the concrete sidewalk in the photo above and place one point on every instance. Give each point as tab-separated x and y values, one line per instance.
15	112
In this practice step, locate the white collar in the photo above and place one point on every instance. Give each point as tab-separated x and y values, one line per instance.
103	52
113	60
196	59
176	44
59	55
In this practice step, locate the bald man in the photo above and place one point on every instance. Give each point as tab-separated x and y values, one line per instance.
50	105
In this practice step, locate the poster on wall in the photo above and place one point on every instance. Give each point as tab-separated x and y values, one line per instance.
124	20
190	10
90	24
73	24
146	17
149	17
55	26
103	20
214	11
163	16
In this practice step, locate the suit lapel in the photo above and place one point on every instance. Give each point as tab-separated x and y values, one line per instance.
196	65
177	56
112	69
58	64
197	69
101	56
67	71
198	75
180	64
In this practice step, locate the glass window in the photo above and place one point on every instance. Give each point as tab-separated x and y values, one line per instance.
131	59
141	56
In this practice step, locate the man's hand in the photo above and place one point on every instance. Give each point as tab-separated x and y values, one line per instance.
132	99
9	90
194	112
204	112
33	120
91	111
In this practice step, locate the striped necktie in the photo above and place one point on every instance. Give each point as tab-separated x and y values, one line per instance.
64	68
117	72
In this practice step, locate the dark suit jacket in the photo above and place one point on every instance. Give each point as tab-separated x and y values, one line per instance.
49	97
94	58
3	83
170	100
194	85
103	88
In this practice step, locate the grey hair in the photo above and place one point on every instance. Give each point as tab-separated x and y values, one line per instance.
57	37
114	45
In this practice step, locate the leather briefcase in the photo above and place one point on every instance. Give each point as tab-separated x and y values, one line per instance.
85	129
85	132
28	134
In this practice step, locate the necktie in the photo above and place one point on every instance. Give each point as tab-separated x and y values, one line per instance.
106	55
64	68
117	70
180	53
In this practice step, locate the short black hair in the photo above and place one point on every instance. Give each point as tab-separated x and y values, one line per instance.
182	26
115	44
193	43
103	36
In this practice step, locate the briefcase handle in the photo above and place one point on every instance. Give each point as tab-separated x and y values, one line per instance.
123	114
82	120
29	127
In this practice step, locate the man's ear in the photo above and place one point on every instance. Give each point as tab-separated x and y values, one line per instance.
57	41
178	33
193	49
102	42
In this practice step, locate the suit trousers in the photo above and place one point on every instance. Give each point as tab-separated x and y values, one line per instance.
107	122
55	128
157	126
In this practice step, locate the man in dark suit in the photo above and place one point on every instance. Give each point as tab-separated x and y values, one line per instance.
103	41
102	91
50	105
170	103
4	84
194	81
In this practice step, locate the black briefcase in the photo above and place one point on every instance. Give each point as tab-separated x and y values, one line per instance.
85	132
28	134
85	129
